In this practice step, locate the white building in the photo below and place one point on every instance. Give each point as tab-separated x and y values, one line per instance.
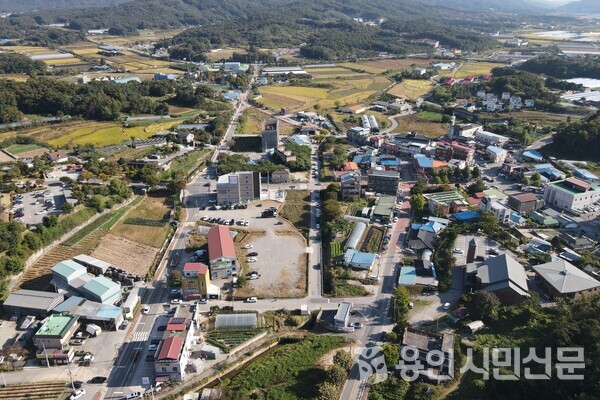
489	203
571	194
490	138
496	154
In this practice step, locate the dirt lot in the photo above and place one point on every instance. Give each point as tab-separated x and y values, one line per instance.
151	208
131	256
281	259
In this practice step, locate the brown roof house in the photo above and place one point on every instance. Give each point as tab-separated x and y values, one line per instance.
560	278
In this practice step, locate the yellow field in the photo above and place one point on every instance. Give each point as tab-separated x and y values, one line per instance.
472	68
411	89
345	92
146	35
32	50
64	61
13	77
223	54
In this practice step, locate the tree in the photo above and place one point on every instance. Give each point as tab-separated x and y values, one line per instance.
97	202
343	359
332	210
87	175
556	243
175	278
67	207
417	203
476	187
49	221
457	173
391	353
484	306
536	179
401	310
327	391
177	185
466	173
337	375
476	172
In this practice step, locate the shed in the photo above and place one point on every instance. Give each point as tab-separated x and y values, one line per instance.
475	326
356	235
32	302
210	352
236	321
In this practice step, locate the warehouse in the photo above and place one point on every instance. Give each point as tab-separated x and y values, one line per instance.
32	302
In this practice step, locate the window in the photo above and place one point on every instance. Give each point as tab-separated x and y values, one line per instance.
202	285
174	369
164	369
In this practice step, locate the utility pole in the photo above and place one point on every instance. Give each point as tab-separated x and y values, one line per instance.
46	354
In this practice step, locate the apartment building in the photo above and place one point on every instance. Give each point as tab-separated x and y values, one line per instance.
238	187
571	194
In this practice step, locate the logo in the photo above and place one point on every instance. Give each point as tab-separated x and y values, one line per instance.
372	362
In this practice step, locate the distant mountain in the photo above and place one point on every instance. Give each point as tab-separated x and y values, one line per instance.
481	5
581	7
33	5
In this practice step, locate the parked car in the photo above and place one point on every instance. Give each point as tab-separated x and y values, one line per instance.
202	301
446	306
152	347
248	246
176	301
134	395
77	394
98	379
356	325
77	384
251	260
251	300
253	276
155	341
458	251
252	254
493	252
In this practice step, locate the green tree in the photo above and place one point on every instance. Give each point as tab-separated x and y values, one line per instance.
327	391
476	173
417	203
97	202
484	306
87	175
476	187
536	179
391	353
177	185
466	173
343	359
556	243
67	207
401	299
336	375
175	278
332	210
49	221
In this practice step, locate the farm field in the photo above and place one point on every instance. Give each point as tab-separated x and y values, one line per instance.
411	89
230	338
379	67
223	54
345	91
145	35
297	208
93	132
153	210
17	149
472	68
542	118
414	123
253	124
41	390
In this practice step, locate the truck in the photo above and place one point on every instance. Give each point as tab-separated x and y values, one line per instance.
175	260
93	329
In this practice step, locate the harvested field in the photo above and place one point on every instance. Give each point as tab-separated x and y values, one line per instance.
131	256
150	209
42	390
472	68
223	54
412	123
378	67
411	89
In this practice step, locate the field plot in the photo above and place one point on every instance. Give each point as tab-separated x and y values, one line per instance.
333	72
379	67
411	89
18	149
137	225
93	132
223	54
472	68
430	129
145	35
345	91
131	256
41	390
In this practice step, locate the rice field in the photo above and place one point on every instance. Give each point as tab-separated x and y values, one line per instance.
411	89
413	123
472	68
23	148
223	54
381	66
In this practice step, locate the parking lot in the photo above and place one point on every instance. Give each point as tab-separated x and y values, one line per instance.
485	245
281	252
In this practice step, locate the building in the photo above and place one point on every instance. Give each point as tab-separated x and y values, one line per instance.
238	187
270	134
32	302
358	109
424	165
383	209
571	194
446	150
422	236
559	278
221	252
445	203
55	332
350	186
280	176
550	172
359	260
195	282
106	315
417	345
342	316
102	290
93	265
490	138
283	71
496	155
283	155
69	274
525	202
491	204
464	130
300	140
385	182
505	277
58	156
171	359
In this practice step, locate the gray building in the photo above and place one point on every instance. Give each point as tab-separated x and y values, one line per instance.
385	182
238	187
280	176
32	302
342	316
270	135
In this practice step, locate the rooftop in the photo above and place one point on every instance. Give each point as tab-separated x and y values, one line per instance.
445	197
195	267
69	269
33	299
220	243
496	150
501	271
56	325
427	341
565	277
101	285
170	348
524	197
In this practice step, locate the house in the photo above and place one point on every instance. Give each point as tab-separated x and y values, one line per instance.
490	138
350	166
31	302
412	137
309	129
525	202
559	278
491	204
442	66
505	277
126	80
102	290
195	282
571	194
505	95
384	207
221	252
496	155
300	140
422	273
358	135
464	130
171	359
398	106
385	182
161	76
474	326
238	187
55	332
342	315
357	109
359	260
419	71
422	236
283	155
58	156
446	150
529	103
433	355
280	176
445	203
515	103
350	186
577	241
423	165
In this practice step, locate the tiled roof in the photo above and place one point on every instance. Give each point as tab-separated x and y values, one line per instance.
220	243
171	348
200	268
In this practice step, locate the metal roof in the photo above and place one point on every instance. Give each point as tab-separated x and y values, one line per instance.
69	269
33	299
101	286
357	232
565	277
502	271
171	348
220	243
231	321
408	276
56	324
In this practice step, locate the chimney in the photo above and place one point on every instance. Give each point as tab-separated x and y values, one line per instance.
472	251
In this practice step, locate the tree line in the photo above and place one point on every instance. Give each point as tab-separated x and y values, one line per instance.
564	67
580	140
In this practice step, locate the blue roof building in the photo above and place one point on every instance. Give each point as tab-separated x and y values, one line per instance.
585	174
408	276
466	216
549	171
102	290
359	260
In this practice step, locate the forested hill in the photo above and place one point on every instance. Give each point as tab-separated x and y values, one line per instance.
564	67
578	140
581	7
175	13
31	5
468	5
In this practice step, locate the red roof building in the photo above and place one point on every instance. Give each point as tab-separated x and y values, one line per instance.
220	243
170	349
196	268
177	324
350	166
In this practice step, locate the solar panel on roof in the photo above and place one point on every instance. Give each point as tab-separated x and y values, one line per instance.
177	320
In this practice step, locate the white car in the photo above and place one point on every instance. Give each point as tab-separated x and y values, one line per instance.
251	300
356	325
248	246
145	310
152	347
77	394
318	226
252	276
458	251
176	301
251	260
446	306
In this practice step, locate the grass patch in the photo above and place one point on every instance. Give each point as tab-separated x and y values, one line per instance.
227	339
289	372
341	288
145	222
413	123
23	148
253	121
187	163
151	208
472	68
297	209
243	144
337	248
67	223
411	89
431	116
